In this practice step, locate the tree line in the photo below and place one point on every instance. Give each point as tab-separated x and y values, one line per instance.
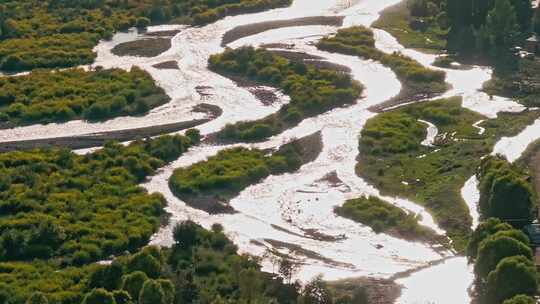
502	256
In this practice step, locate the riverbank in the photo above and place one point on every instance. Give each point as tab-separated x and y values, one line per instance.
211	184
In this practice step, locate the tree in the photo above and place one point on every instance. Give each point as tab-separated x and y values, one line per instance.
168	291
494	249
146	263
520	299
107	276
122	297
513	276
250	285
287	269
486	229
152	293
133	283
501	24
316	292
99	296
185	234
37	298
524	14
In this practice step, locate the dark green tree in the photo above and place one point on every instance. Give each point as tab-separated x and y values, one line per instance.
513	276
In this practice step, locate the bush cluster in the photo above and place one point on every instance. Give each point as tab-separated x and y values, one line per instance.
382	216
43	96
312	91
231	171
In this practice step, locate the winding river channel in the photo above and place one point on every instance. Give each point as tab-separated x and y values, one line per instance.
282	212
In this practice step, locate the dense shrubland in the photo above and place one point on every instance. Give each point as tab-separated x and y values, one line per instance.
312	91
391	153
201	267
209	185
384	217
359	41
43	96
54	33
73	209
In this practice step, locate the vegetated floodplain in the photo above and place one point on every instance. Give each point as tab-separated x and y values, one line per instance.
209	185
75	209
185	273
59	34
416	79
312	91
393	159
383	217
44	96
416	24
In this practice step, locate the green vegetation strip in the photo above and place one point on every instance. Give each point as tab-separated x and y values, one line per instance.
359	41
43	96
384	217
73	209
393	159
57	34
209	185
312	91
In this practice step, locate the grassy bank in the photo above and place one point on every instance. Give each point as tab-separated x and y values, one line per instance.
312	91
397	20
415	78
384	217
44	97
393	159
209	185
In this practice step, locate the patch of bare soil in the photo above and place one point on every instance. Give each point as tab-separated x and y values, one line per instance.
170	33
147	47
170	65
256	28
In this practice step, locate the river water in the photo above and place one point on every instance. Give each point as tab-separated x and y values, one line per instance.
278	213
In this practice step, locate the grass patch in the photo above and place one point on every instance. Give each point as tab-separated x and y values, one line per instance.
384	217
359	41
391	153
397	20
209	185
312	91
44	97
148	47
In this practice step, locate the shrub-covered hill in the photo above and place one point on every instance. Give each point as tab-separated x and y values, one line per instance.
43	96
